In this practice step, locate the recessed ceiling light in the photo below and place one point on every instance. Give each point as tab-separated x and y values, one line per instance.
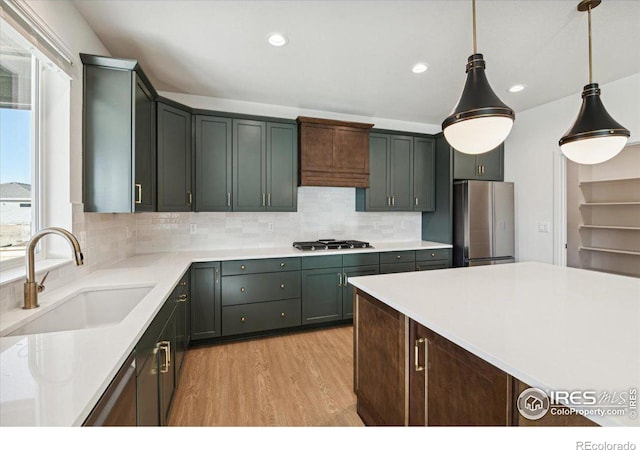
277	39
517	87
419	68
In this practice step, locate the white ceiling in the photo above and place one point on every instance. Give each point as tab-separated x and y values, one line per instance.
355	57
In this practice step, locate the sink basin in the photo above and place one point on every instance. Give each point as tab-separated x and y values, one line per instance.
91	308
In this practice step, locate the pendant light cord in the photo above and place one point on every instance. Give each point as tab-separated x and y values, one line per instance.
475	47
590	51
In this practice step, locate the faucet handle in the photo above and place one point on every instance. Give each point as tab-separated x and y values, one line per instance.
41	284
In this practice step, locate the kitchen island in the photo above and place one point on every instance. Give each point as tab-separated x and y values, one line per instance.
457	346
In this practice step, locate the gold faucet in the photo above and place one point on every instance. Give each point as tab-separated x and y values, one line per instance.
31	286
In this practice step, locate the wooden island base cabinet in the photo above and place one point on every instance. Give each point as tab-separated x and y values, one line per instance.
405	374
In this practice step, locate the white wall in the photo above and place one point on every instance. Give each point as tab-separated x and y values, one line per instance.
533	161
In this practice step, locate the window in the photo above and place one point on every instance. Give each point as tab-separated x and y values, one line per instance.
19	75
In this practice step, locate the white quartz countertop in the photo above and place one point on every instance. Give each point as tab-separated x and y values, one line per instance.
552	327
55	379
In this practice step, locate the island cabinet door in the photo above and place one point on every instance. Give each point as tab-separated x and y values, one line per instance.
380	351
461	389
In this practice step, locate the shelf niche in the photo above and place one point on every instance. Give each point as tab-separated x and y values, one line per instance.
603	214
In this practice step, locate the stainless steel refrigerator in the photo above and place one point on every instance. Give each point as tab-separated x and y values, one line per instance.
483	228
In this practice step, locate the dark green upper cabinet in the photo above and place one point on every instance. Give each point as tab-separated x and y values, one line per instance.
265	166
282	167
486	166
402	174
249	162
174	159
424	175
213	164
119	126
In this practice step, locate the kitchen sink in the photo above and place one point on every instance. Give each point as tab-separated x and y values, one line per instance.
90	308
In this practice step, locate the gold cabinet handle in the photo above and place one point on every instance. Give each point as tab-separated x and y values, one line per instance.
393	200
165	346
269	199
389	200
182	298
282	286
242	289
138	194
416	201
345	279
190	198
263	200
433	255
282	264
281	314
339	279
416	354
398	256
243	267
182	283
228	198
242	319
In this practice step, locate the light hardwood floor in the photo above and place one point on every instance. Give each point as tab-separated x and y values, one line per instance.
300	379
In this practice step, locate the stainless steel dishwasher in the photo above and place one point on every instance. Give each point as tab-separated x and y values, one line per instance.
117	406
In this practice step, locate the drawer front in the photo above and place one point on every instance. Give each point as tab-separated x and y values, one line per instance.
434	254
432	265
397	257
260	265
322	262
260	287
398	267
360	259
240	319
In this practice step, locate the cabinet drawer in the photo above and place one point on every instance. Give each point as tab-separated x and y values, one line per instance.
433	254
322	262
240	319
260	265
398	267
397	257
360	259
260	287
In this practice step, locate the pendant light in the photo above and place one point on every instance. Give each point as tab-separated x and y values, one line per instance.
594	137
480	121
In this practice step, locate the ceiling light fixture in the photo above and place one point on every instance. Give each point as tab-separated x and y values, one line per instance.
517	88
594	137
480	121
277	39
419	68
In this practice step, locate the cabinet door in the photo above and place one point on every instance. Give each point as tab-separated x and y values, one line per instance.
464	166
145	149
321	295
174	159
424	176
377	194
213	164
401	174
351	148
166	367
492	164
147	392
282	167
249	162
205	300
348	290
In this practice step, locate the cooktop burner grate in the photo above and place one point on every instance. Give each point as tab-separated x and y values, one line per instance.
330	244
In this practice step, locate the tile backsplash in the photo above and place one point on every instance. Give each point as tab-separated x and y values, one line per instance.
323	212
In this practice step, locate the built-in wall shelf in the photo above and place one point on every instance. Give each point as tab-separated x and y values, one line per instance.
611	204
610	250
608	227
603	214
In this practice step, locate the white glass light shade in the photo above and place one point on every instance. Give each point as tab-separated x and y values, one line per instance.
478	135
594	150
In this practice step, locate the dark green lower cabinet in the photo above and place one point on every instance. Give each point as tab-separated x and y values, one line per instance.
252	317
347	289
205	300
322	295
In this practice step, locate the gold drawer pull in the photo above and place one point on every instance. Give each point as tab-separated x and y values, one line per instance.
242	289
433	255
243	267
398	256
282	264
281	314
242	319
182	298
282	286
182	283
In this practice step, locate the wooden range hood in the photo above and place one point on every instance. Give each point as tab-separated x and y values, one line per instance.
333	153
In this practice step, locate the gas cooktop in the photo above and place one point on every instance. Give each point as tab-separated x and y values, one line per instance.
330	244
